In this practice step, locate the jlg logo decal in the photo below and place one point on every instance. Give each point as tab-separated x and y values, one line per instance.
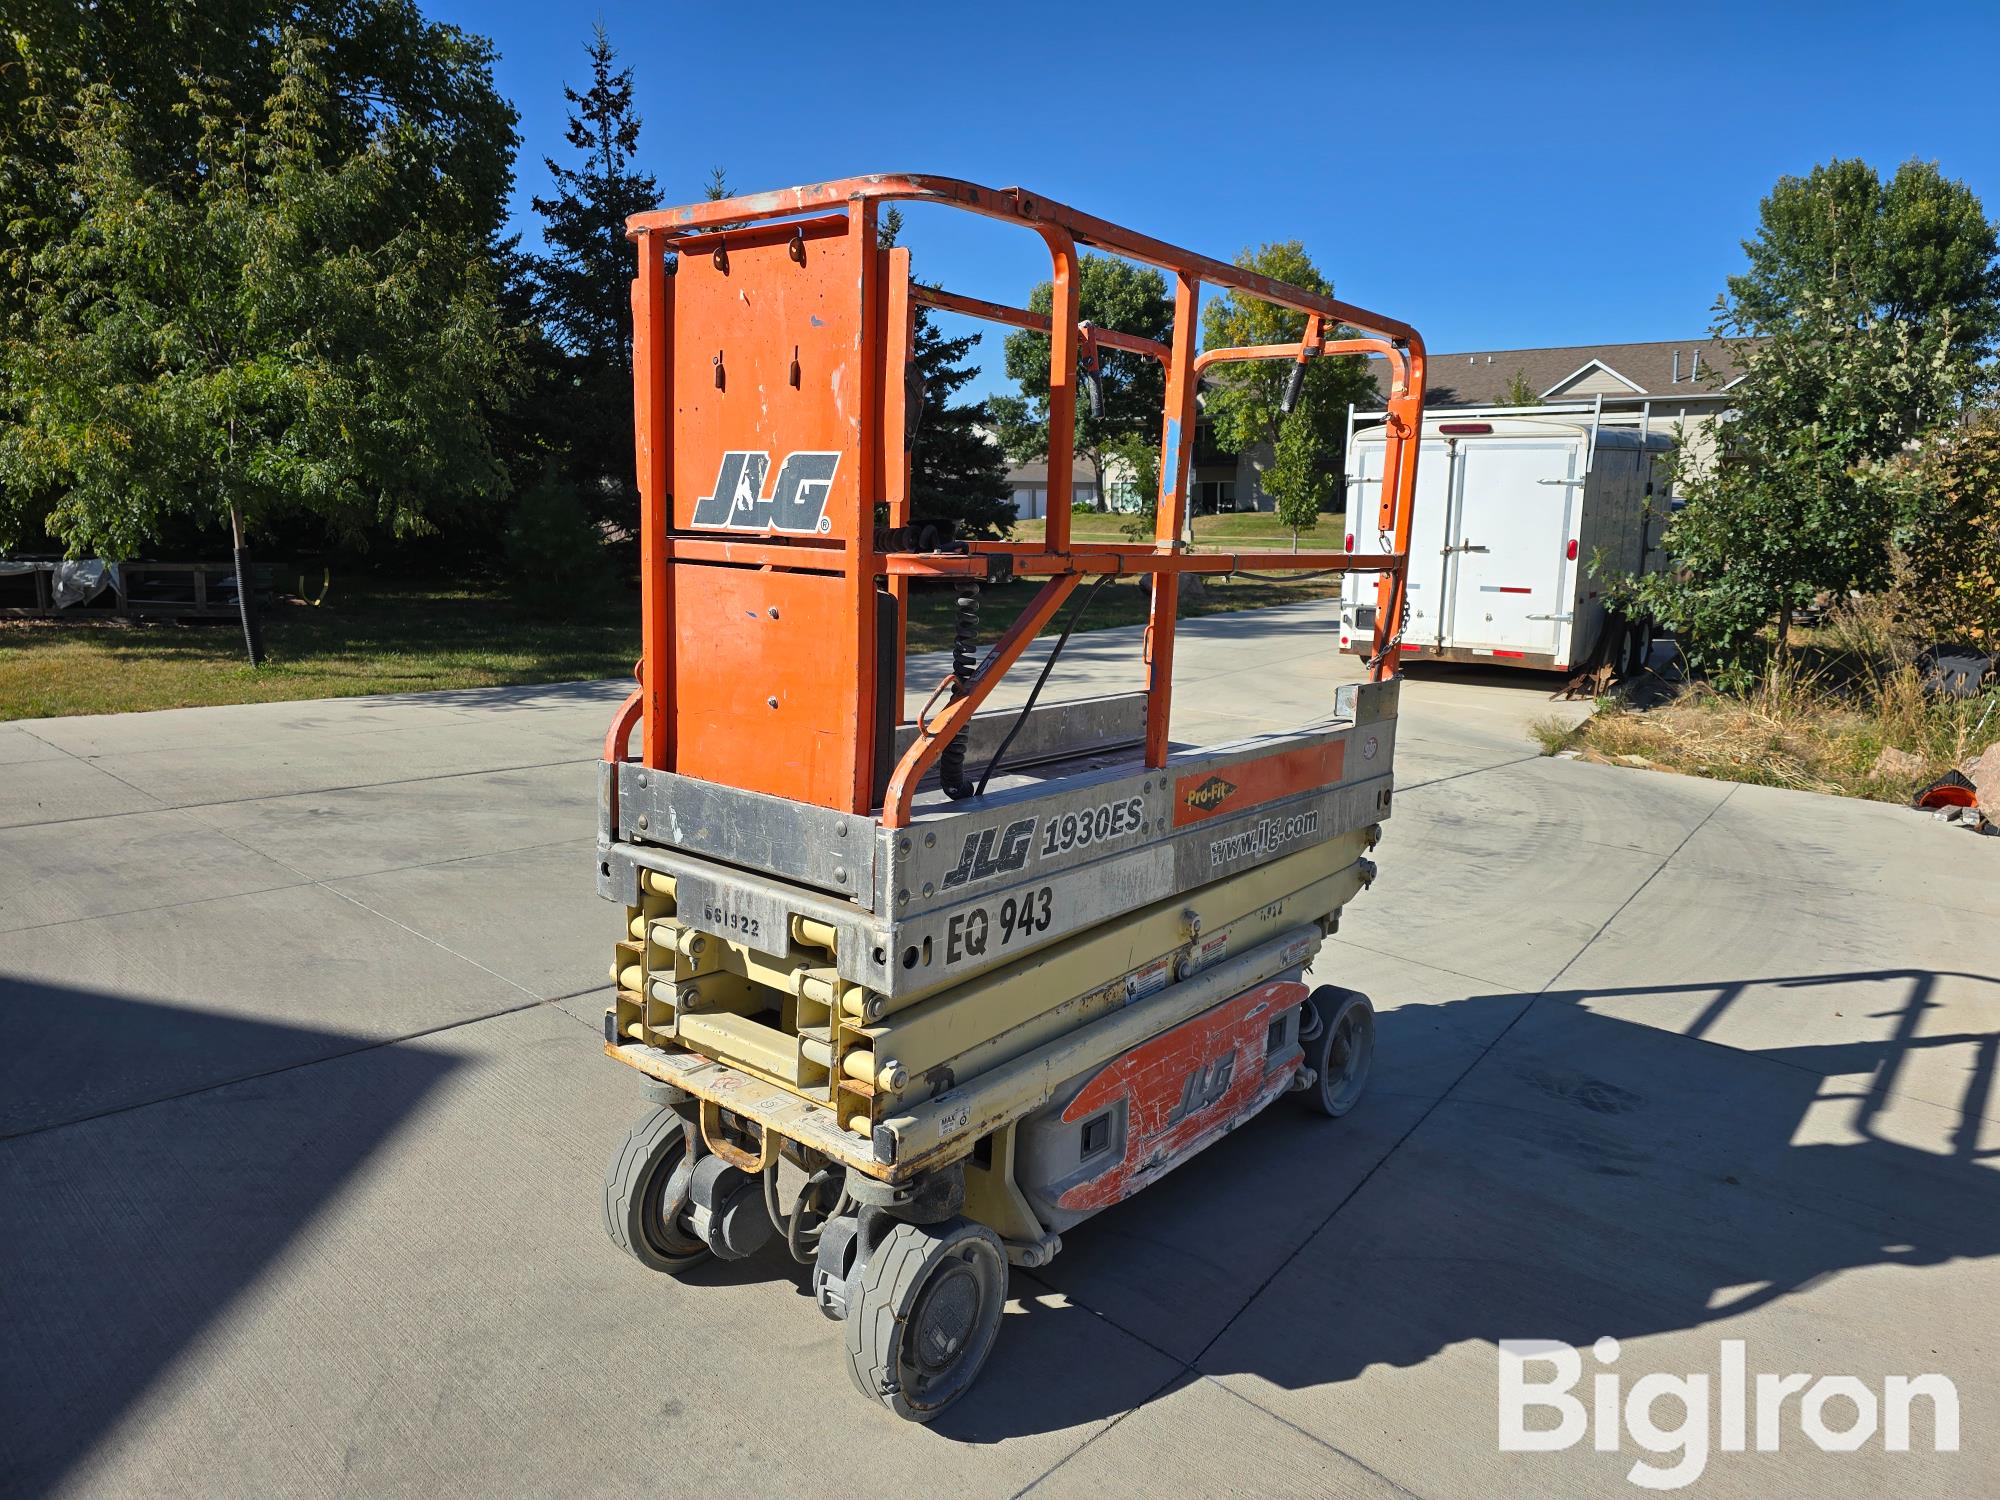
797	502
990	852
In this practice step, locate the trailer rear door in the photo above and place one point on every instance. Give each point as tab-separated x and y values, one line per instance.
1364	487
1505	570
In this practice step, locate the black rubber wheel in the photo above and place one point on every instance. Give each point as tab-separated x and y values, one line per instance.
1341	1050
1635	648
922	1314
646	1195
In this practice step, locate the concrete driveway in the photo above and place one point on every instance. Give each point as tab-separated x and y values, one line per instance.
305	1120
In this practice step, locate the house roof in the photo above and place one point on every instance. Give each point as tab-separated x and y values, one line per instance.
1481	377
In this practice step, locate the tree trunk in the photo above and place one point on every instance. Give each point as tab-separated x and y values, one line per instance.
1103	500
1784	627
246	591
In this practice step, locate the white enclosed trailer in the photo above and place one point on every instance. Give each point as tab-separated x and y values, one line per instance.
1523	519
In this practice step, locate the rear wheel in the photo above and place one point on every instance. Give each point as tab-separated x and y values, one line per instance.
1341	1051
646	1195
1635	648
923	1310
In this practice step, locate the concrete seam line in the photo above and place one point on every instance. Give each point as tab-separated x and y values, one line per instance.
293	1067
329	887
1505	984
311	791
135	911
1312	1437
579	840
1147	1400
442	947
1366	1178
1499	765
1665	860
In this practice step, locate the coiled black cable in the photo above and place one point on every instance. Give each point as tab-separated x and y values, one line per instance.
964	663
1082	604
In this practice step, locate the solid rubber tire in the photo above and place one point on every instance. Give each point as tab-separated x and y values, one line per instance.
1331	1004
657	1143
884	1293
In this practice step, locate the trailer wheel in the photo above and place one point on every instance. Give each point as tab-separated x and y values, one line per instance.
646	1195
1341	1050
923	1310
1635	648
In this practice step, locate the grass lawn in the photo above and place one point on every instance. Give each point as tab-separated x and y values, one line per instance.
1259	529
380	637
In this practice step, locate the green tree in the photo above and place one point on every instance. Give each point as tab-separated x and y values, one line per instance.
1875	306
1948	545
288	308
717	188
551	545
957	473
1244	401
1112	294
1305	466
1519	392
584	280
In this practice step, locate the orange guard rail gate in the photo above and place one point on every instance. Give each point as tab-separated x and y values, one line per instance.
771	412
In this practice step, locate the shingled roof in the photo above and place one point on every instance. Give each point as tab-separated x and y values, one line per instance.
1481	377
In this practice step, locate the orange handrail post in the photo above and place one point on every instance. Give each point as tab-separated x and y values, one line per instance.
652	366
1176	447
1062	385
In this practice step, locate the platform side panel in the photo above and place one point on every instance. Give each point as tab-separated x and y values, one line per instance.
766	693
767	384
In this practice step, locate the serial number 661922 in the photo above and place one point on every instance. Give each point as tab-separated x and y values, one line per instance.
722	919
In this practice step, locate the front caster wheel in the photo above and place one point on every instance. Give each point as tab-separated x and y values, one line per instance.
922	1312
1341	1050
646	1195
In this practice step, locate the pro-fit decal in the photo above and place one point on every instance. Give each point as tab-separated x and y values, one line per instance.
1205	794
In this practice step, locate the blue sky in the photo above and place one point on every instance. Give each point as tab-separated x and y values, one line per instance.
1497	176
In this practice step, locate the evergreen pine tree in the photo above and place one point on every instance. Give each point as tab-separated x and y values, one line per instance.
583	282
957	472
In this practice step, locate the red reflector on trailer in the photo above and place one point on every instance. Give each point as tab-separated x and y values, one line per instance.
1461	429
1570	551
1510	653
1350	541
1509	588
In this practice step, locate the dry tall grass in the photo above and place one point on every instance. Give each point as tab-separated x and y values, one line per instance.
1818	719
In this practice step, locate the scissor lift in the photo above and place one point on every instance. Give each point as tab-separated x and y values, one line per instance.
946	984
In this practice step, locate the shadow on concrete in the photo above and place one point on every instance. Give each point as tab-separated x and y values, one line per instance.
73	1054
1590	1175
120	1246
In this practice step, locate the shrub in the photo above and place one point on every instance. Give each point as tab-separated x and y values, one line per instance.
554	552
1948	554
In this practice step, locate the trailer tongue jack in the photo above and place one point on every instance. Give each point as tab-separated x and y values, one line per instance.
915	996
